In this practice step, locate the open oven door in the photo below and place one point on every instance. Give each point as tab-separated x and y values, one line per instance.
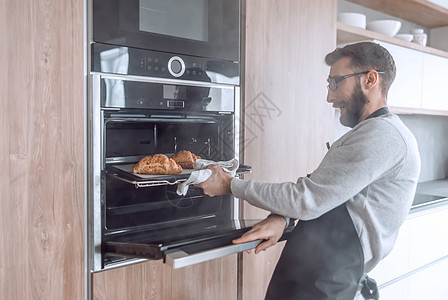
182	231
189	246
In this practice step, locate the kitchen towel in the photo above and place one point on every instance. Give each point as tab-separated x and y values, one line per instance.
201	173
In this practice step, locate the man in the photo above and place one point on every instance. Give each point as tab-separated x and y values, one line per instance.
351	207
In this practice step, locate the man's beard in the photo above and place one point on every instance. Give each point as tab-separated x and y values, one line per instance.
354	108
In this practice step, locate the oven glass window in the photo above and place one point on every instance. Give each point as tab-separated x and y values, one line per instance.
201	28
185	19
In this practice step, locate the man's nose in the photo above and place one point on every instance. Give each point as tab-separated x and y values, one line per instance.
330	98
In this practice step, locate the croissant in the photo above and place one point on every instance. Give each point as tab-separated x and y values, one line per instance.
159	164
185	159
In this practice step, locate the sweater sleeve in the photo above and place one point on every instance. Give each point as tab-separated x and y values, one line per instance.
362	156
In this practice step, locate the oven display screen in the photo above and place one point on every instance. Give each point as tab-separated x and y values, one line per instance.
179	18
174	92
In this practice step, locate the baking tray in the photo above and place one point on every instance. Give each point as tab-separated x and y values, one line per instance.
124	172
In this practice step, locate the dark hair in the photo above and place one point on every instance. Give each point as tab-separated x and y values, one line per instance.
367	56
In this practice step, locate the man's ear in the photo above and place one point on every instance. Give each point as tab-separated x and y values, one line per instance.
371	80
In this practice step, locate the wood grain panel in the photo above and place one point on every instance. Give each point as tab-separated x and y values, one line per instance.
420	12
141	281
351	34
154	280
42	150
287	119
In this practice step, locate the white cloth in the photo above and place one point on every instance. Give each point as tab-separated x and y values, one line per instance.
201	173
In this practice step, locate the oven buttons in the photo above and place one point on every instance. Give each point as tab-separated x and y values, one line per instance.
176	66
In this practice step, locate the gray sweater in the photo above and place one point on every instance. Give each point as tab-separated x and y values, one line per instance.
373	168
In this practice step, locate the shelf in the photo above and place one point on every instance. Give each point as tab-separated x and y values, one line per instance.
350	34
420	12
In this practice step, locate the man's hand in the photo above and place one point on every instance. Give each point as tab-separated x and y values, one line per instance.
218	183
270	230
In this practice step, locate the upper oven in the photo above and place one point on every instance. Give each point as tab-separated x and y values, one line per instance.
202	28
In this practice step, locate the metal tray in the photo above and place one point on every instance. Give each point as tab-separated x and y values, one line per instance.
124	172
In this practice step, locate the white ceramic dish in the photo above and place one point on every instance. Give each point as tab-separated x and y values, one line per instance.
386	27
405	36
353	19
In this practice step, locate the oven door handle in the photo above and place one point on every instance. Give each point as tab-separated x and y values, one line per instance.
179	259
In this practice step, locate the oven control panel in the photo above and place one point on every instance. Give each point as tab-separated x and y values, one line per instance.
123	93
132	61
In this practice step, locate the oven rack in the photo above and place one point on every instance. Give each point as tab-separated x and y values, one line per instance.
124	173
148	183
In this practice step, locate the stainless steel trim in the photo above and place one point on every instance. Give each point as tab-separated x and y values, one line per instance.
236	202
87	22
95	166
127	262
156	120
162	80
180	259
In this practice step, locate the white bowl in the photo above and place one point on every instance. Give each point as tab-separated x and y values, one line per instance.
405	36
353	19
386	27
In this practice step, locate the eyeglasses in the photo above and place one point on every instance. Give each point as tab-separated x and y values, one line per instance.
333	82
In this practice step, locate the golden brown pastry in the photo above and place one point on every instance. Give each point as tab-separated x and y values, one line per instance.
185	159
158	164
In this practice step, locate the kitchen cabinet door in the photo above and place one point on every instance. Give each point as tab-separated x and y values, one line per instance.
430	283
154	280
396	291
397	262
429	238
434	89
423	238
42	150
407	86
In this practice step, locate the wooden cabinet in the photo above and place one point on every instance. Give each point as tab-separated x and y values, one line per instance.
42	150
153	280
287	120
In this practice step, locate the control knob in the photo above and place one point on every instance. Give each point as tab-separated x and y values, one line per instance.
176	66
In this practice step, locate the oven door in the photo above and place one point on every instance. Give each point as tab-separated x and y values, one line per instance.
146	219
205	28
189	245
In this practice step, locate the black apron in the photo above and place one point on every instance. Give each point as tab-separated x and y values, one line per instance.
323	259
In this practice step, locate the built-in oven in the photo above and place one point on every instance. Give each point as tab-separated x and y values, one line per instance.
202	28
157	88
138	216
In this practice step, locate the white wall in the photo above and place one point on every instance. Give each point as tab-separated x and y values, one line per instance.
432	139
